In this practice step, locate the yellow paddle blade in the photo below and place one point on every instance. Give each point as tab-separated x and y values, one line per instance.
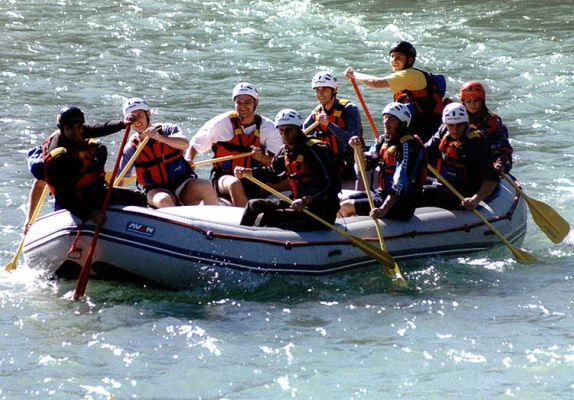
14	262
522	255
390	266
547	219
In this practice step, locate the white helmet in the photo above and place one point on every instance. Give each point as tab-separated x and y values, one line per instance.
245	88
454	113
324	79
398	110
288	116
135	103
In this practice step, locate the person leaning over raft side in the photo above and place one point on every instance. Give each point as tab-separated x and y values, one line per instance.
402	162
71	161
162	172
462	156
339	120
239	131
473	97
410	85
308	165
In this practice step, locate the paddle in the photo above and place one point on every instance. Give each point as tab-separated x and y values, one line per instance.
14	262
220	159
378	254
125	182
85	272
241	155
365	109
391	269
547	219
519	254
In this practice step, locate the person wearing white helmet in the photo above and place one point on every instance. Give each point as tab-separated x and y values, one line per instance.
307	164
162	172
71	162
235	132
423	90
462	156
401	160
339	120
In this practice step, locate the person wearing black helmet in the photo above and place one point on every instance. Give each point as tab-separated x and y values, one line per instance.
421	90
71	162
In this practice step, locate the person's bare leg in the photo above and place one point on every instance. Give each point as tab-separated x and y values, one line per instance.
347	208
198	190
231	186
161	198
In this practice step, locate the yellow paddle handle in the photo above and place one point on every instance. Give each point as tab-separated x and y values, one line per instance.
521	255
241	155
133	158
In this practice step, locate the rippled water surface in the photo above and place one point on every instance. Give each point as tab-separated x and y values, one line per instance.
480	327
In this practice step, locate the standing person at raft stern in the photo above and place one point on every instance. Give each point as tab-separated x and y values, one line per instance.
308	165
473	97
71	161
239	131
420	89
339	120
401	159
162	172
462	156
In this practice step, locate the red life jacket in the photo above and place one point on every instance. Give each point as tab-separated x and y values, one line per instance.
334	116
388	166
488	125
91	174
298	174
453	165
428	106
158	164
239	143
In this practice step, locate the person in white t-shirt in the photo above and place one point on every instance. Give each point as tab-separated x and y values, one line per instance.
235	132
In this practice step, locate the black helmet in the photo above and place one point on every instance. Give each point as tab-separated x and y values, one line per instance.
405	48
70	115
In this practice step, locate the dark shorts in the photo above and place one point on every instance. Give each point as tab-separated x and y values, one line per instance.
128	197
403	210
435	194
278	213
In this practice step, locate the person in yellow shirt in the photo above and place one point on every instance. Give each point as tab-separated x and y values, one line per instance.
421	91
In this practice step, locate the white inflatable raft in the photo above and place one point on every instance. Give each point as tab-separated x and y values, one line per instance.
182	247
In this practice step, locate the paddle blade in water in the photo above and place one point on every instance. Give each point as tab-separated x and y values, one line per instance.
548	220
